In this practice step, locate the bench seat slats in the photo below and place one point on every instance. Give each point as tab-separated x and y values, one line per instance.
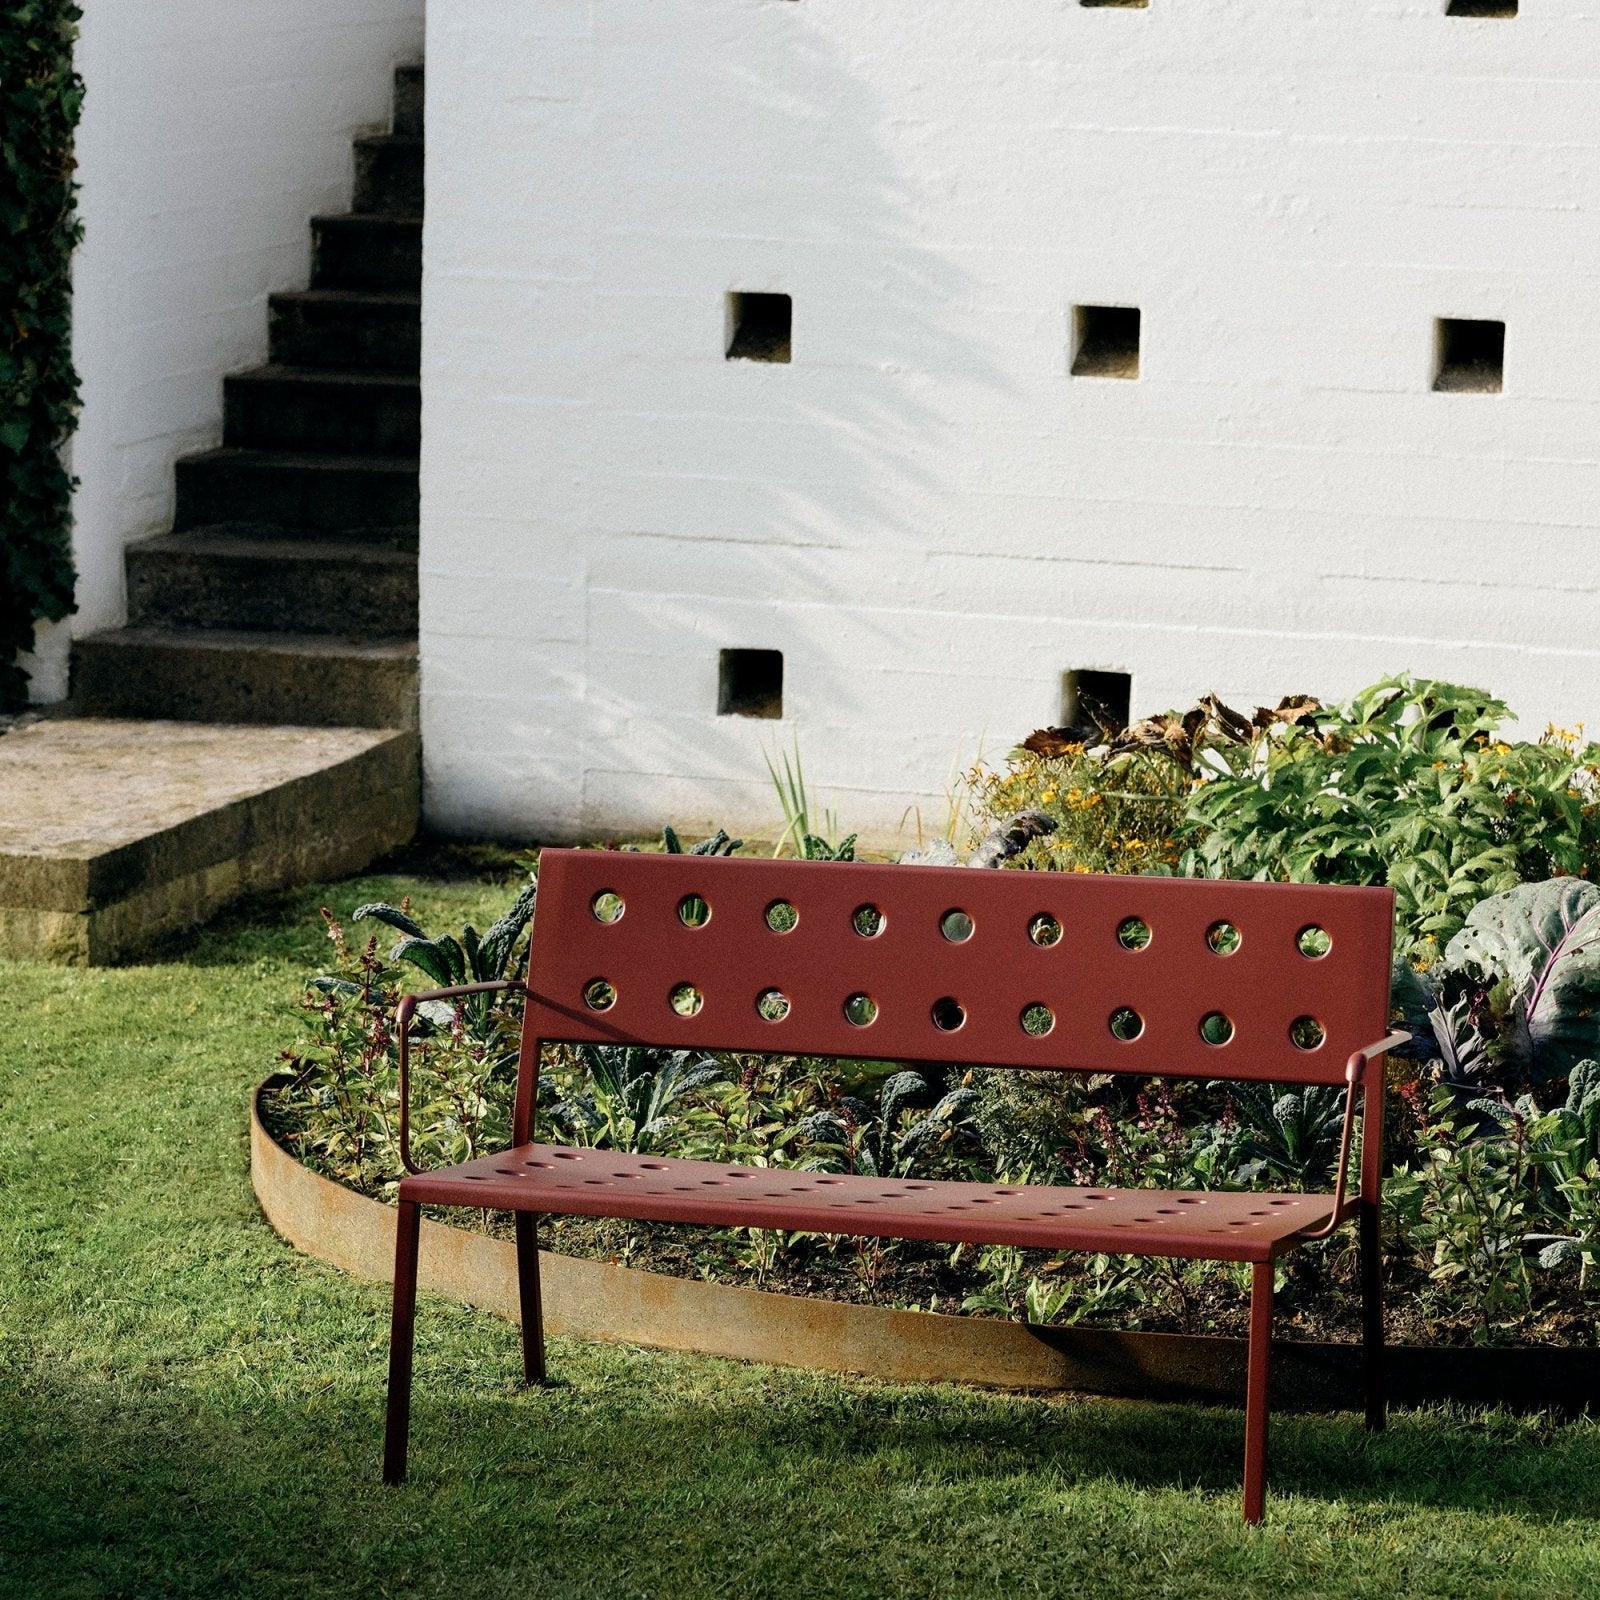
559	1180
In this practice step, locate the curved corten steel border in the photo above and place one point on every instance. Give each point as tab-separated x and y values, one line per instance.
594	1300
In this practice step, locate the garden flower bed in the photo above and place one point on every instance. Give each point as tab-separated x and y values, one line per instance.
1493	1197
591	1295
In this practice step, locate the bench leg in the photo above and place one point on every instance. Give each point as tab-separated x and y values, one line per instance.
1256	1392
1373	1377
401	1339
527	1226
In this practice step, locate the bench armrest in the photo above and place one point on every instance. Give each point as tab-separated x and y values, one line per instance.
402	1021
1355	1072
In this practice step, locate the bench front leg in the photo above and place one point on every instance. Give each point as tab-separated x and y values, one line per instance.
1256	1395
1369	1232
402	1337
1373	1379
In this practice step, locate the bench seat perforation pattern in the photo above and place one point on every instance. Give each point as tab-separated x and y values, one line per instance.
1215	1225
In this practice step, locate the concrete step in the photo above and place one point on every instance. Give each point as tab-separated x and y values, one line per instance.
346	330
352	497
338	413
115	834
388	174
367	252
234	676
408	100
219	578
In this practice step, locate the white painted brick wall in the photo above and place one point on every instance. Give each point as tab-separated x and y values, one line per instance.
924	512
212	132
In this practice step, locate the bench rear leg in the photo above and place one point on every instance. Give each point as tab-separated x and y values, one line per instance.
527	1226
1373	1362
402	1333
1256	1392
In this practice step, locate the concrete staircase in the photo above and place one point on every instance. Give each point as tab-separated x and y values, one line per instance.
284	600
287	589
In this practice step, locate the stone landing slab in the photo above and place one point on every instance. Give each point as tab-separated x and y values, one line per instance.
114	833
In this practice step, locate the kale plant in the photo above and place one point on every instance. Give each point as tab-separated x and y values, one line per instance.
886	1140
630	1100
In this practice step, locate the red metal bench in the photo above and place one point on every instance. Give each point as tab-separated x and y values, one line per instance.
1151	976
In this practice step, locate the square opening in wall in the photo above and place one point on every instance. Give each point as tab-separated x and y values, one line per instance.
750	684
1094	699
1471	356
1481	8
1105	341
758	326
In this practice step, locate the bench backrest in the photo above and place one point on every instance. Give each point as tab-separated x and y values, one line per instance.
1155	976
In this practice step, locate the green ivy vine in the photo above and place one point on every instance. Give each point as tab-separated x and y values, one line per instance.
40	99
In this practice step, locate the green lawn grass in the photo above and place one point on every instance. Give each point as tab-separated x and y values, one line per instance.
188	1407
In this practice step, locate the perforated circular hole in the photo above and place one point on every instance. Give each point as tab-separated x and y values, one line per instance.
1037	1019
956	926
772	1005
599	995
693	912
1044	930
1223	938
781	916
1306	1033
686	1000
868	921
860	1010
607	906
1133	933
948	1014
1313	942
1215	1028
1126	1024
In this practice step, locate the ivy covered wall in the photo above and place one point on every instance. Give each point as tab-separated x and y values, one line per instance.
40	99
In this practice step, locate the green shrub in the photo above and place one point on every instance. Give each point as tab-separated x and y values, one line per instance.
40	99
1409	785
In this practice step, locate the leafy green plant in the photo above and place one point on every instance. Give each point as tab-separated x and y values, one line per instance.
632	1098
1514	1001
1472	1212
717	844
41	97
1542	942
1289	1136
343	1094
1409	784
451	962
1566	1151
887	1141
1071	1290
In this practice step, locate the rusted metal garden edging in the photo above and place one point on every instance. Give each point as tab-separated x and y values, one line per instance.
599	1301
